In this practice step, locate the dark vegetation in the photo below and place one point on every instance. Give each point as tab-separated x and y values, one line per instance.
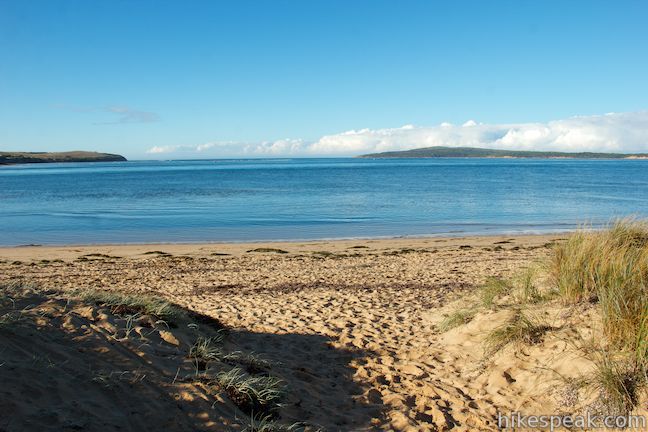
473	152
12	158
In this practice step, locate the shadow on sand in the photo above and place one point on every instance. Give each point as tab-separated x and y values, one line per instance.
69	365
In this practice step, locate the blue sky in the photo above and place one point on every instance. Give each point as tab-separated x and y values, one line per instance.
163	79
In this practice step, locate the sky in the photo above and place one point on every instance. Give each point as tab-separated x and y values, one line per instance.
206	79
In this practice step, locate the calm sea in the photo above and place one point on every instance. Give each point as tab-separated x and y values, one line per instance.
244	200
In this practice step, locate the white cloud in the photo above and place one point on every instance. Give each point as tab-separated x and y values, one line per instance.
224	148
613	132
277	148
161	149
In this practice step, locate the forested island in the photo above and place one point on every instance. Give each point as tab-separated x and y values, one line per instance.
474	152
12	158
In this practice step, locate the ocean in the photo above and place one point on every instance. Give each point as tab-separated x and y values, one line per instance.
306	199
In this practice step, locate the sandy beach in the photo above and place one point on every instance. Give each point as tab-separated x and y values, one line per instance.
334	216
355	330
352	326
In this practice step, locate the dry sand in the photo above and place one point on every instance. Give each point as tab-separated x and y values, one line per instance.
351	326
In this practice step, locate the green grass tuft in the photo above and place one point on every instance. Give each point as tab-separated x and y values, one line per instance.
616	379
252	394
527	287
610	267
131	304
457	318
518	329
250	361
492	290
266	423
9	319
205	350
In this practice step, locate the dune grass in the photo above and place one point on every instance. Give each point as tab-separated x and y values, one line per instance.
527	289
522	288
492	289
618	383
616	379
457	318
252	362
267	423
205	350
131	304
9	319
10	315
571	267
610	268
252	394
520	328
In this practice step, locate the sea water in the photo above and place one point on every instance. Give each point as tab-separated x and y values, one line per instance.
303	199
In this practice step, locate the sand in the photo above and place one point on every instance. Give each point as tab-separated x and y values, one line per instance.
351	326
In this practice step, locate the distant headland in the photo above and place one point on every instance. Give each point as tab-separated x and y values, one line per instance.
12	158
474	152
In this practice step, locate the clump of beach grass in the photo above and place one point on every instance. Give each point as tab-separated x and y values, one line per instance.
571	266
267	423
10	314
131	304
616	380
252	362
260	394
9	319
527	286
523	287
457	318
610	268
111	379
492	289
519	328
205	350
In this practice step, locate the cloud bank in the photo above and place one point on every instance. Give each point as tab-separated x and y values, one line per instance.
613	132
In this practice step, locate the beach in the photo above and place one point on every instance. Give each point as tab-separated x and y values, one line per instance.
323	216
351	326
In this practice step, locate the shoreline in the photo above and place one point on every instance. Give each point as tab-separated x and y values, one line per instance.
405	237
356	245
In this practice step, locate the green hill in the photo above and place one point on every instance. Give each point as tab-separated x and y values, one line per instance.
473	152
11	158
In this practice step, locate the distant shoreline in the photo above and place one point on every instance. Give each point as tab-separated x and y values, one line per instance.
475	152
18	158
